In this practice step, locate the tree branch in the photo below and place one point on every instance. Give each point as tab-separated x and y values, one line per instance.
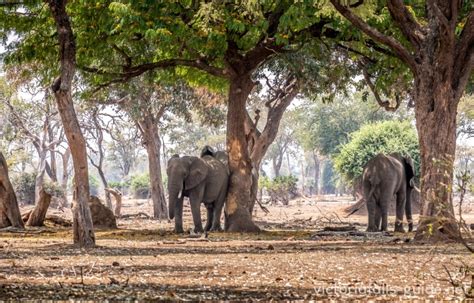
464	60
401	52
385	104
406	23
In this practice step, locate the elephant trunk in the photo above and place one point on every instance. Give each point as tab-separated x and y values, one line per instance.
175	191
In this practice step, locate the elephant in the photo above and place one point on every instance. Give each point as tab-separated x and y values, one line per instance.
202	179
385	176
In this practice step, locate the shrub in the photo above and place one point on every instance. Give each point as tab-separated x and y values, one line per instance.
140	185
280	189
383	137
24	185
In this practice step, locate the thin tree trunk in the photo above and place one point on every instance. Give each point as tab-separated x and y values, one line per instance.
36	217
9	210
238	217
317	168
82	220
39	180
153	147
65	176
118	200
52	154
303	177
99	166
105	184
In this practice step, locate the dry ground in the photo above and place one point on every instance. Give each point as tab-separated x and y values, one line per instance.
143	259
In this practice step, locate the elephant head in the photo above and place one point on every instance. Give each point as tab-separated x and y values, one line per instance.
184	173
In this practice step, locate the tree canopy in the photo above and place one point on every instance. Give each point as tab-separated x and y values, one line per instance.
381	137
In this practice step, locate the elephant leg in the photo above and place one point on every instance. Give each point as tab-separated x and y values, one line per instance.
196	199
371	210
384	203
401	196
210	214
178	220
218	205
408	210
378	217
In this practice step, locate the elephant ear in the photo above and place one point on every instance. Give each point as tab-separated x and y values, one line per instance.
409	171
197	173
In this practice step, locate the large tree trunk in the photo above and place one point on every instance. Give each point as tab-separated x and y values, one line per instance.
436	123
259	142
9	210
36	217
82	221
153	147
238	217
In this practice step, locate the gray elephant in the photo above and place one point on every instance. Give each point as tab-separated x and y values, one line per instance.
202	179
383	178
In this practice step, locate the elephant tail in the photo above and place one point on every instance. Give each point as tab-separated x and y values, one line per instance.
374	181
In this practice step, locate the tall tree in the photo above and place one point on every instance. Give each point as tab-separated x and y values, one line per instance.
95	128
226	40
435	41
61	88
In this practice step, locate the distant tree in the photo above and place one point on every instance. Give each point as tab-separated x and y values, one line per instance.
382	137
327	180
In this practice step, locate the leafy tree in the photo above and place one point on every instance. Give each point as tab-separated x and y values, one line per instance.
223	39
328	177
433	40
382	137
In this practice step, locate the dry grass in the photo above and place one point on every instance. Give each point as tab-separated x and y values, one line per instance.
145	260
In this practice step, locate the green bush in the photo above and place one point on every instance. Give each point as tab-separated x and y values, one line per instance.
280	189
383	137
24	185
122	185
140	185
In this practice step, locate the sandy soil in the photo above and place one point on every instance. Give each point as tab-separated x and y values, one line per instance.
290	260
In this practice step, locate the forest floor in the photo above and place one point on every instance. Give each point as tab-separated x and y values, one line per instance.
292	259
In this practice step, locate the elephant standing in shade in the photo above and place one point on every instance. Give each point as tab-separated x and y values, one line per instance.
202	179
385	176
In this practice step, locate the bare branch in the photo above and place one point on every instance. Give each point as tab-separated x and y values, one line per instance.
385	104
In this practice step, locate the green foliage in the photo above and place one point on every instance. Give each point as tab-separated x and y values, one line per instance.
280	189
325	127
382	137
140	185
24	185
328	185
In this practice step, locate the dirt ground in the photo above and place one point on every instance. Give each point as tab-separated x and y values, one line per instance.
292	259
